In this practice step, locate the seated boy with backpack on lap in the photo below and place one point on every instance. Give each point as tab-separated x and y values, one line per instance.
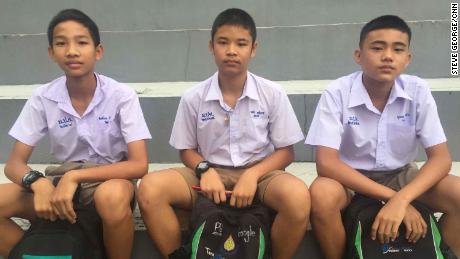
96	129
233	129
366	130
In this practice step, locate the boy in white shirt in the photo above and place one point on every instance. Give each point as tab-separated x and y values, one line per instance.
366	130
96	128
234	129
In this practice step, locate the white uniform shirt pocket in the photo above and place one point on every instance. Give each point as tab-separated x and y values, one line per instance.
401	136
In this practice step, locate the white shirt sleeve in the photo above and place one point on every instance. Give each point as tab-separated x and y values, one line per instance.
326	128
283	124
184	135
31	124
428	125
132	122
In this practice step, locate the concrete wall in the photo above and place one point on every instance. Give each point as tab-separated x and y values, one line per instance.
166	41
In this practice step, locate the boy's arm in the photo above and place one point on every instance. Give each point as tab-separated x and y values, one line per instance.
435	168
135	167
384	227
15	169
328	164
210	182
390	216
245	188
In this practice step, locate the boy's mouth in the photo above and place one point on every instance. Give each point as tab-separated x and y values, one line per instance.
73	64
386	68
231	62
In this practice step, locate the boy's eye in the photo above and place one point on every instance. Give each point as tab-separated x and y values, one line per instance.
376	48
82	42
59	43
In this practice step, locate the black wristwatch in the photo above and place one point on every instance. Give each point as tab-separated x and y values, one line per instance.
201	168
29	178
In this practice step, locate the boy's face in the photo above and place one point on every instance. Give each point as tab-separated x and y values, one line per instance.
73	49
384	54
233	48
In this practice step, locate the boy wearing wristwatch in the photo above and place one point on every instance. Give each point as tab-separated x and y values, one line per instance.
234	131
96	129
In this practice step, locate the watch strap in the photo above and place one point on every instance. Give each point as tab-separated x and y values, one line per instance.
29	178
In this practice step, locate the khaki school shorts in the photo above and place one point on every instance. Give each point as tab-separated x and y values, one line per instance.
87	189
229	178
394	179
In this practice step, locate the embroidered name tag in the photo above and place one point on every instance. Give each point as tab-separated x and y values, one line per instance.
104	118
353	120
403	118
206	116
65	122
257	114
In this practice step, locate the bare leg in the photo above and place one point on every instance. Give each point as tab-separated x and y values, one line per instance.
445	197
113	199
158	192
329	197
13	202
290	198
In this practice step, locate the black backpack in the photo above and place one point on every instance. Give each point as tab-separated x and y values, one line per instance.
358	219
221	231
61	239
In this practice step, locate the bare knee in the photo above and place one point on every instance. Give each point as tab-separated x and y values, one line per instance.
290	198
327	197
14	202
113	199
152	190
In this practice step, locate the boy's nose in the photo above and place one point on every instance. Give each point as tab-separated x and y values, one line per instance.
231	50
72	50
387	55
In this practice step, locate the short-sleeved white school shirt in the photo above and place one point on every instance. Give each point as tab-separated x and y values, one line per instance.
346	120
112	119
262	120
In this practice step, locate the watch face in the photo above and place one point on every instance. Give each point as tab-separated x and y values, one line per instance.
30	178
203	166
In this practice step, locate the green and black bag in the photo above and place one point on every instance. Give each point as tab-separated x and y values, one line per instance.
358	219
221	231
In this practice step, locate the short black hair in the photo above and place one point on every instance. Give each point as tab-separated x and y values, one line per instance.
77	16
235	16
385	22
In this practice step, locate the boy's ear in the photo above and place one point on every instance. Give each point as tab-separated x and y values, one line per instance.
409	59
51	53
254	48
99	51
210	46
357	56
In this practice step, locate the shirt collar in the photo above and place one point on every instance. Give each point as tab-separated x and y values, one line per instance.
215	94
398	92
57	92
358	93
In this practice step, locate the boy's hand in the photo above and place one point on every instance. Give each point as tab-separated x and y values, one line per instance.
43	190
244	191
415	225
62	197
212	186
387	221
